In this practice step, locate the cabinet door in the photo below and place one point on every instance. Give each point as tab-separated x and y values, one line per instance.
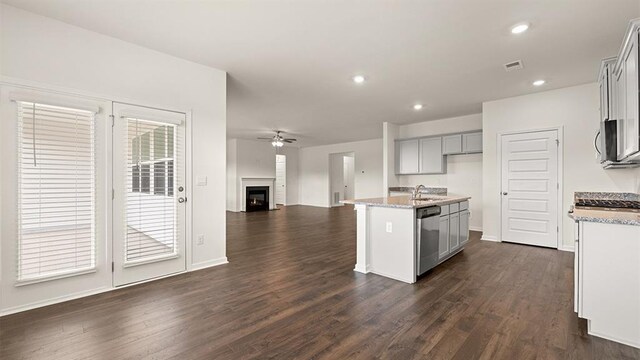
472	143
407	156
454	231
443	243
464	227
631	132
431	158
452	144
604	94
621	110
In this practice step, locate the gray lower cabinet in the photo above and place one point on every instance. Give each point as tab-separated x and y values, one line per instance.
443	244
464	227
454	229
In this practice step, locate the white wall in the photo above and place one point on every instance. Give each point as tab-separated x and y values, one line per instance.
390	132
464	172
251	158
314	171
47	53
576	110
232	175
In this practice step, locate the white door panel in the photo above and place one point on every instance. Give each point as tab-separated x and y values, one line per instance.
530	188
149	195
281	179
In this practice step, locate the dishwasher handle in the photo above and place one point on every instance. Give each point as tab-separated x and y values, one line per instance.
428	212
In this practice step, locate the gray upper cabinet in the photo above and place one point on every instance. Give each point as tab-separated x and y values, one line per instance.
472	143
407	152
431	159
427	155
619	87
606	86
631	135
452	144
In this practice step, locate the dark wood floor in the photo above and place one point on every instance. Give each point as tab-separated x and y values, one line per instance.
290	292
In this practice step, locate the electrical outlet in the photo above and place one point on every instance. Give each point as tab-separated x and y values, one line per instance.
389	226
201	239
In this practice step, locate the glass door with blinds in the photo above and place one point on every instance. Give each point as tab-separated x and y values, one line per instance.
149	196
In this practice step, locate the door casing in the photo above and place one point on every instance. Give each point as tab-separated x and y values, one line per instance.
560	200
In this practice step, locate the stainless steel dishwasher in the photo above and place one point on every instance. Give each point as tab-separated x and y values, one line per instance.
427	237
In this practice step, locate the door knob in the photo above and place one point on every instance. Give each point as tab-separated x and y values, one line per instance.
180	200
180	189
505	193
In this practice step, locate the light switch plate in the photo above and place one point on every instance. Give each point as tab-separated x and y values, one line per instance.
201	239
201	180
389	226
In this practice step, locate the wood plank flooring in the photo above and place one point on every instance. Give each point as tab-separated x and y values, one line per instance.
290	291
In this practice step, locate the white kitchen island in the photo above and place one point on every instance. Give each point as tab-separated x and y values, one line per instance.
388	233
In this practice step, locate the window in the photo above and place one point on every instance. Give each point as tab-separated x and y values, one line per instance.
152	159
151	208
56	191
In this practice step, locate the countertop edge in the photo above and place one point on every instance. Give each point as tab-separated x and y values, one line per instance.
604	220
369	202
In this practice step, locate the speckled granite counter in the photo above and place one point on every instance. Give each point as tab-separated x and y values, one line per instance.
405	202
617	216
607	207
436	190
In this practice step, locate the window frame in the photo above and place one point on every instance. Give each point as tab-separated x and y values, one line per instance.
58	274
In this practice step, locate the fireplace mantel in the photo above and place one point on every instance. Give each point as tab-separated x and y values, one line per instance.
257	181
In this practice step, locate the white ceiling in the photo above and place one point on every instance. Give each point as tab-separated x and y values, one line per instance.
290	63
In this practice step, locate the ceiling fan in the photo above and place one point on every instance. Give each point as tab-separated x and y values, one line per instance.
278	140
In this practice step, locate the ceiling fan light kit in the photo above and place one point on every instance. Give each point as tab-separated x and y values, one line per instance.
277	140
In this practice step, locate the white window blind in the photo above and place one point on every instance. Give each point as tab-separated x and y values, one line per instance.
56	191
151	207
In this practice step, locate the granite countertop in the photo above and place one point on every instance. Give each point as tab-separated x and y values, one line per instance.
438	190
608	216
606	207
405	202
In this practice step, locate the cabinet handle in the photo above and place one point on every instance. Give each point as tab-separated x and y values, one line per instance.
505	193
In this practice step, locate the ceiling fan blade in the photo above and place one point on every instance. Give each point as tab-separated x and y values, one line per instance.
264	138
289	140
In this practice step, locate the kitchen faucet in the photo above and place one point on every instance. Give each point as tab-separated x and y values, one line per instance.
416	192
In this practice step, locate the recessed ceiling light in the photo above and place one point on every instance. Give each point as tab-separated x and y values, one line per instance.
417	107
519	28
358	79
538	83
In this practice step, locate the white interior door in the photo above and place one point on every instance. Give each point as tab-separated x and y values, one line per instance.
349	168
281	179
529	193
149	195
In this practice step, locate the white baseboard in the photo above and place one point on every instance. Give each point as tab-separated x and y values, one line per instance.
475	228
362	269
209	263
38	304
620	341
78	295
566	248
489	238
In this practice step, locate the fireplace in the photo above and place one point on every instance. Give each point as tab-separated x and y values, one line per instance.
257	198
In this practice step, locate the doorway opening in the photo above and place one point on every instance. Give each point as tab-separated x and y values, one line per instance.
281	180
341	177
